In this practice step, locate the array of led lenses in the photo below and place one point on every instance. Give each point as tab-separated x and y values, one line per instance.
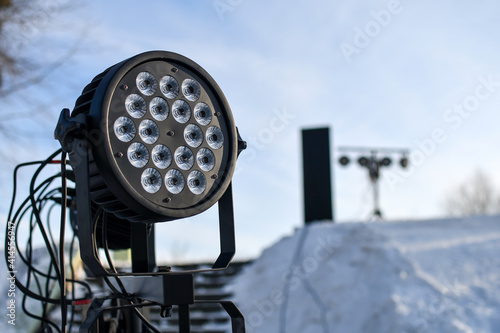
146	138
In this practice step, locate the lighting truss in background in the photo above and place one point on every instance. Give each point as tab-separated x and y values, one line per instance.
370	159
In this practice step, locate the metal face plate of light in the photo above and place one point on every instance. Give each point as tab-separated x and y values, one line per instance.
182	149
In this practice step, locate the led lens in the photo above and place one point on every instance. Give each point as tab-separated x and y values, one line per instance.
215	138
149	131
206	159
138	154
181	111
202	114
174	181
161	156
197	182
193	135
184	158
124	129
169	87
146	83
135	105
159	108
151	180
191	90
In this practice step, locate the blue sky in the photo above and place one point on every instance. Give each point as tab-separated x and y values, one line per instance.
283	66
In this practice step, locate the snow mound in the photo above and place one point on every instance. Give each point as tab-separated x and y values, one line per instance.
379	277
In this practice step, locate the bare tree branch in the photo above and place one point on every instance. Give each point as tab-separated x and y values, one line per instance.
476	196
21	25
43	73
31	52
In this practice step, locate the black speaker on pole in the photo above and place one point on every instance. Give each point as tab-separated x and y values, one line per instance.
317	175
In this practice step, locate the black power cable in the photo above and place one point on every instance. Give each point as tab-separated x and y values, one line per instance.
53	257
12	223
62	230
40	277
117	278
13	227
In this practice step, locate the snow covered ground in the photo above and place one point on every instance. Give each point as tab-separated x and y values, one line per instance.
406	277
412	276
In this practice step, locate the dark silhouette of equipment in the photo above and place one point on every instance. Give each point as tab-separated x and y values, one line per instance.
317	175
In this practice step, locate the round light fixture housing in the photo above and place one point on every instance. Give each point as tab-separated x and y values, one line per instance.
363	161
157	121
403	162
344	160
386	161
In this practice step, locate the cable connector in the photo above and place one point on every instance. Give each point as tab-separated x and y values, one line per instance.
68	128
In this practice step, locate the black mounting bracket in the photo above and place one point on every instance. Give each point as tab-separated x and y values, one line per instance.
166	290
68	128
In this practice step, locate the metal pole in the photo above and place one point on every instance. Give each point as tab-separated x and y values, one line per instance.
377	213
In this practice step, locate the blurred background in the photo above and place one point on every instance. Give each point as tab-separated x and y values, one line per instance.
419	75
